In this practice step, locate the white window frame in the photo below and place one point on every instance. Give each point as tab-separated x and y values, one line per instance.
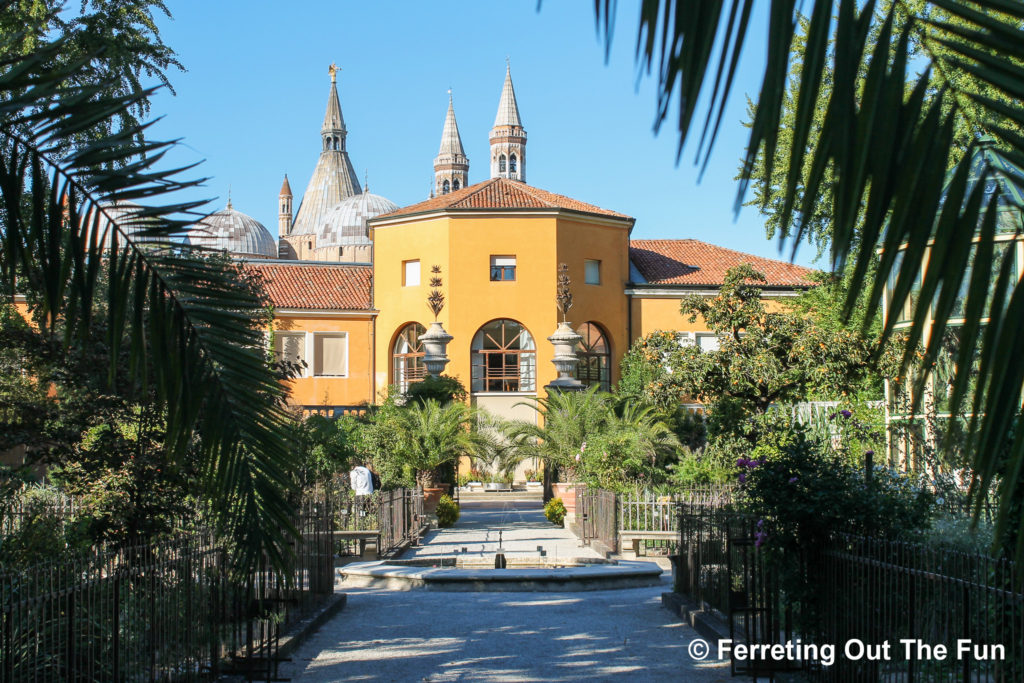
704	335
312	363
279	335
504	261
586	274
405	273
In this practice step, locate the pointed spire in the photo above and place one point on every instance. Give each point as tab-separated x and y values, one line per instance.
333	120
451	166
286	189
334	177
451	141
508	109
508	138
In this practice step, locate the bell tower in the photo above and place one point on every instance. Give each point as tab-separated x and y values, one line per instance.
451	166
508	138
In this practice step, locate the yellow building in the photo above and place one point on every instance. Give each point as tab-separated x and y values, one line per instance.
354	271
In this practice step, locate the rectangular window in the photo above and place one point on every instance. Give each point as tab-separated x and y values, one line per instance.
290	347
592	272
708	342
411	273
503	268
330	355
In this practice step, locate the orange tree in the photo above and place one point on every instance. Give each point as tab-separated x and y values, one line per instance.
764	357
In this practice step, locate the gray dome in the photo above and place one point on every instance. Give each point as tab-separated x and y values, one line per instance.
346	222
233	231
123	213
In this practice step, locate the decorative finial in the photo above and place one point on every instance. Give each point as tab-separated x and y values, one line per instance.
333	69
436	299
564	294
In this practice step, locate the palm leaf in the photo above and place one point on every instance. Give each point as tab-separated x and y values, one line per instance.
188	323
887	146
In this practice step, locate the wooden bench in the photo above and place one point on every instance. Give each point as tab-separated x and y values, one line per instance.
360	535
636	537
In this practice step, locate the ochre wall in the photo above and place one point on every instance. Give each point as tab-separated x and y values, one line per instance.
333	391
650	314
463	246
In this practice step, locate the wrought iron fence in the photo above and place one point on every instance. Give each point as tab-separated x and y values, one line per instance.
401	518
172	610
596	515
919	597
865	589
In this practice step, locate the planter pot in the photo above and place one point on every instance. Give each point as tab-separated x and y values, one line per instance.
433	495
567	492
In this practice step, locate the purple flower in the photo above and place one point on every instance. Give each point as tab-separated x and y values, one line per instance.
845	413
792	480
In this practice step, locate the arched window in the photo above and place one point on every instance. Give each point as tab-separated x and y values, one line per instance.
455	184
445	188
512	163
501	164
407	356
595	357
504	358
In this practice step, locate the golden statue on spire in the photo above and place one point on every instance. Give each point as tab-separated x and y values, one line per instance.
333	69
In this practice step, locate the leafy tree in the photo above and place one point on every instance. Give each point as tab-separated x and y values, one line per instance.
442	389
880	155
432	434
765	357
327	445
192	332
117	40
590	437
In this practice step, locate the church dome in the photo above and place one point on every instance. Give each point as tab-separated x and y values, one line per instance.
346	222
235	232
124	214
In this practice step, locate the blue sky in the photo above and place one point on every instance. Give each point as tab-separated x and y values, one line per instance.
253	98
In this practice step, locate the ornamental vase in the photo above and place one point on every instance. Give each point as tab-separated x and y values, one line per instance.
435	344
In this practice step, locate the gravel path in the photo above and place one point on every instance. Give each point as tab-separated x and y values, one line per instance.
435	636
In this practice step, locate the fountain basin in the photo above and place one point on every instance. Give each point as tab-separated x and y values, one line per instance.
551	575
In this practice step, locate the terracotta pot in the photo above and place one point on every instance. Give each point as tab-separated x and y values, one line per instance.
432	496
567	492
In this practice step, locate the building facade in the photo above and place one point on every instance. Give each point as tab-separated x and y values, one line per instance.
353	271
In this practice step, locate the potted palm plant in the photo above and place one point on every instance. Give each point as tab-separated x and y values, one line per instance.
435	434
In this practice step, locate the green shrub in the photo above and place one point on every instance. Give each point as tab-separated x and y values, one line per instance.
447	511
554	510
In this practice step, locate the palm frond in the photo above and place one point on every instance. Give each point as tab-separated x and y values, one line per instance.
885	148
188	323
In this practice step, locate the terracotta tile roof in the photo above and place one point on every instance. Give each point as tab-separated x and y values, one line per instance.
317	286
692	262
502	193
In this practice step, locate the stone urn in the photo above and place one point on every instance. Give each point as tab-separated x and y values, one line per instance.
564	340
435	345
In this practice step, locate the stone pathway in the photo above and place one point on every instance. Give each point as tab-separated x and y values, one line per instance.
436	636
